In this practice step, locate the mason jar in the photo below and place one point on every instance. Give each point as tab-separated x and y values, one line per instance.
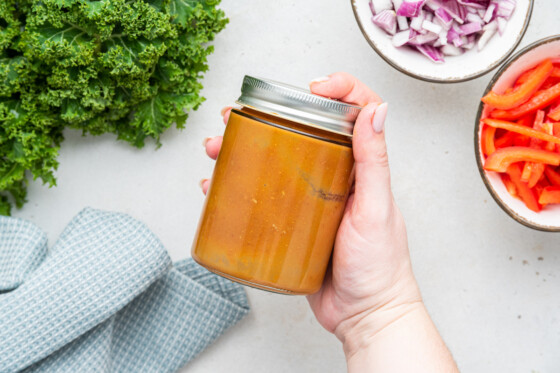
279	189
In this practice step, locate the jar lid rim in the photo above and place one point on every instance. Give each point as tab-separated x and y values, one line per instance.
299	105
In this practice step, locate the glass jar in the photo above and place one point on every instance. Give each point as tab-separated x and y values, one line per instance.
279	189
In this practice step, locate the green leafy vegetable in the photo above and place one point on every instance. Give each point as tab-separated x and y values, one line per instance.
132	68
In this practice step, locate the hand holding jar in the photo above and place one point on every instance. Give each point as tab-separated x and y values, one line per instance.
369	298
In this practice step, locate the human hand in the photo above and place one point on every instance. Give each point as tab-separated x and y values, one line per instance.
370	268
369	298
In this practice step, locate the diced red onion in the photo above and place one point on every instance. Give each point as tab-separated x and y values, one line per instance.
377	6
502	22
479	4
451	50
470	28
410	8
486	36
431	27
505	8
402	22
401	38
474	17
442	27
386	20
490	11
416	22
432	53
444	17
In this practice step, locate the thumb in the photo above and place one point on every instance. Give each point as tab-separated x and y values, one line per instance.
373	199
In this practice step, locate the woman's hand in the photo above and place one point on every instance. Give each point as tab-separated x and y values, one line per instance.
369	287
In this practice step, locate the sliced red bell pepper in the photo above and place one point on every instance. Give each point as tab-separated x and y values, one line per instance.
556	132
527	171
526	120
521	140
537	172
554	112
487	141
506	140
527	195
532	172
555	72
510	186
514	127
524	77
522	93
550	194
539	101
500	160
552	176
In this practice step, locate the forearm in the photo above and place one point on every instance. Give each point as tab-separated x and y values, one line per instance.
402	339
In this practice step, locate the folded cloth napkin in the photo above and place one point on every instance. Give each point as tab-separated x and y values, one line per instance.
105	298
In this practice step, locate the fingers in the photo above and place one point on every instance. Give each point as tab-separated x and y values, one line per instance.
225	113
373	196
204	185
213	146
345	87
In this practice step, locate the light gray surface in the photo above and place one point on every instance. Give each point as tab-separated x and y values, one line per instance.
490	284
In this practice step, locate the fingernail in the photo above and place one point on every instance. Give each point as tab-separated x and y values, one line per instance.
201	182
223	111
379	118
205	141
321	79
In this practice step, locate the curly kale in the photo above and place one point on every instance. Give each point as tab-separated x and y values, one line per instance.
127	67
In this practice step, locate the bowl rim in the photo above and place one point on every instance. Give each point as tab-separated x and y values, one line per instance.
484	176
445	80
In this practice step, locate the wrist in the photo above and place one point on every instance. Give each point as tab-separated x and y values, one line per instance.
360	331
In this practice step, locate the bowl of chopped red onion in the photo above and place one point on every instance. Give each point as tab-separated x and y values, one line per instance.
443	41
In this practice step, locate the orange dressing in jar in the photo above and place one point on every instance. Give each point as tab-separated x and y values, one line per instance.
279	189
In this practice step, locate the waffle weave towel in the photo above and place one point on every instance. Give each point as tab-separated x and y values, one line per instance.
105	298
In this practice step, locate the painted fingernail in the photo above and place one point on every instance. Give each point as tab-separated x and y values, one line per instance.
201	182
205	141
379	118
321	79
223	111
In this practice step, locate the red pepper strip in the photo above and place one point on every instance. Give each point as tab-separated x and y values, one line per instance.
524	77
532	172
554	112
556	132
527	195
506	140
522	130
524	92
510	186
487	142
549	83
500	160
552	176
527	171
549	128
526	120
521	140
539	101
555	72
537	172
550	194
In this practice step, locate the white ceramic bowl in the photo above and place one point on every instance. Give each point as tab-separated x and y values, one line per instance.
455	69
549	218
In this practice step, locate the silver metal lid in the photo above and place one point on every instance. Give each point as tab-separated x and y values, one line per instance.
298	105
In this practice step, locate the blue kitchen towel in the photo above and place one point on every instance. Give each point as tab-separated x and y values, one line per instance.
105	298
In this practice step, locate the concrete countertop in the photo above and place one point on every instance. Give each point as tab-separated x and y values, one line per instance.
490	284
